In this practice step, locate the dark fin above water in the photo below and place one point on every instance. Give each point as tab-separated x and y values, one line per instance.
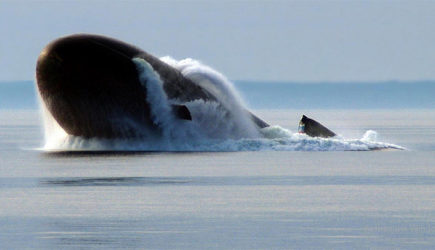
314	128
181	112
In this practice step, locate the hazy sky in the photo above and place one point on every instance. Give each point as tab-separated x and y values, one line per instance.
245	40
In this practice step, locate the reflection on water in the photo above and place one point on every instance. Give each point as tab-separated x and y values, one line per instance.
216	181
241	181
24	182
113	181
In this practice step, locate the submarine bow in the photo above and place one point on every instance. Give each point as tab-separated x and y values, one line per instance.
93	87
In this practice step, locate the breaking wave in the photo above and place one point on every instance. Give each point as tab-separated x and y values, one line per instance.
222	125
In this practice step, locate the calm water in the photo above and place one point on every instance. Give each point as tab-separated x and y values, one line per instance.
242	200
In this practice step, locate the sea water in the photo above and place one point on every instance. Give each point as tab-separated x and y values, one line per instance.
269	199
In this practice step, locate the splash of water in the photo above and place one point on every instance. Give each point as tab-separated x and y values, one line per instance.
221	125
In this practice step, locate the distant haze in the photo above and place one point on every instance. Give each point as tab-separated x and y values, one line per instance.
312	41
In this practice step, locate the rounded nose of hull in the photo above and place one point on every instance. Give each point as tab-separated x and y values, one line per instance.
91	87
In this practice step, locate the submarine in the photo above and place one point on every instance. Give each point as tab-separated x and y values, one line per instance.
92	86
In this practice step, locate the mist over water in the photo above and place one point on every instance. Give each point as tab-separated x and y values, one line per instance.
221	125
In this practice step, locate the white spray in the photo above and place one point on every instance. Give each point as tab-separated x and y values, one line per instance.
161	112
220	87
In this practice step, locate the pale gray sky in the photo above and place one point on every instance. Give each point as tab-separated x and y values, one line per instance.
245	40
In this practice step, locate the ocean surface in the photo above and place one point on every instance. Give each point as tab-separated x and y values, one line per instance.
315	196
